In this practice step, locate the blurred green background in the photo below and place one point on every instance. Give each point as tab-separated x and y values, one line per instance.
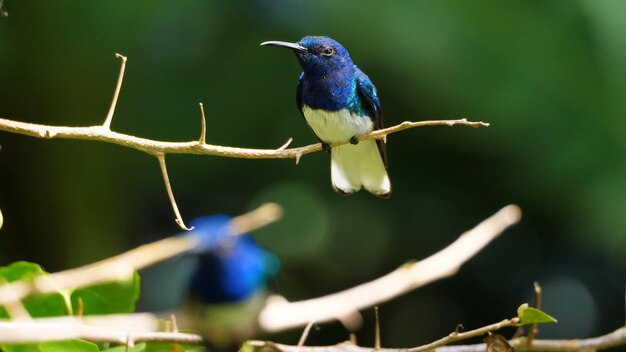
550	77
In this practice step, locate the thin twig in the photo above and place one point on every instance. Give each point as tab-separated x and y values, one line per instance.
611	340
122	266
305	333
279	314
131	328
107	122
533	329
170	193
377	344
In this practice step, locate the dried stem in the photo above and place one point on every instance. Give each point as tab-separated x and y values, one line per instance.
122	267
279	314
170	194
533	329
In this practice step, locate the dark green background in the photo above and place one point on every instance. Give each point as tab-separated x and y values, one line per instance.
550	77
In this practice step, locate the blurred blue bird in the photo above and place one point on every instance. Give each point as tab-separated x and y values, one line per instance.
228	286
339	103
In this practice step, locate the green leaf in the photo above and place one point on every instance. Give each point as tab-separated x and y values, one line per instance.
109	298
37	306
137	348
529	315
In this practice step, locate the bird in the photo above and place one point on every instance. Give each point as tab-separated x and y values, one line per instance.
228	284
340	103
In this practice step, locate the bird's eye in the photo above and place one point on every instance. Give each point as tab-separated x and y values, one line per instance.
328	51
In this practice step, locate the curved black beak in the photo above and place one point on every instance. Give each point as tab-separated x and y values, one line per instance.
293	46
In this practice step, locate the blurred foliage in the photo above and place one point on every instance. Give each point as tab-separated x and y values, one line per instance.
119	297
550	77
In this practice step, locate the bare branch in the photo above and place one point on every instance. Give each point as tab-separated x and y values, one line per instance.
611	340
278	314
121	267
159	149
107	122
458	336
114	328
152	147
170	193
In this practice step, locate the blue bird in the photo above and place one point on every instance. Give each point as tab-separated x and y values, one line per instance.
228	287
339	103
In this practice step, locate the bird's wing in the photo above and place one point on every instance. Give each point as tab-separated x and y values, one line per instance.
299	103
367	93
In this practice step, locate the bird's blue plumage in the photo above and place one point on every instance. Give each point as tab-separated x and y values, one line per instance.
230	268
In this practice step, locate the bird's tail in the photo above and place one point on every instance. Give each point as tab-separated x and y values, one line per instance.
360	165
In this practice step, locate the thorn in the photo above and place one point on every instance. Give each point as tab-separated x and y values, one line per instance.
202	140
385	139
305	333
459	329
377	331
298	156
116	94
170	193
285	145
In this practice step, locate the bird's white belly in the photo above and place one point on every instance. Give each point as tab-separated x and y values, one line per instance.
336	126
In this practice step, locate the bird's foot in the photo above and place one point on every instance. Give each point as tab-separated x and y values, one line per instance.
354	140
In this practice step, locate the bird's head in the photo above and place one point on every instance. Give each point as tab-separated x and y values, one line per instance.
318	56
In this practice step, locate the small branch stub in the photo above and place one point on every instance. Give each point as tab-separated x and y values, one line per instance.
202	140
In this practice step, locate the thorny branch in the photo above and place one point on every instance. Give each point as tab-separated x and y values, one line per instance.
103	133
